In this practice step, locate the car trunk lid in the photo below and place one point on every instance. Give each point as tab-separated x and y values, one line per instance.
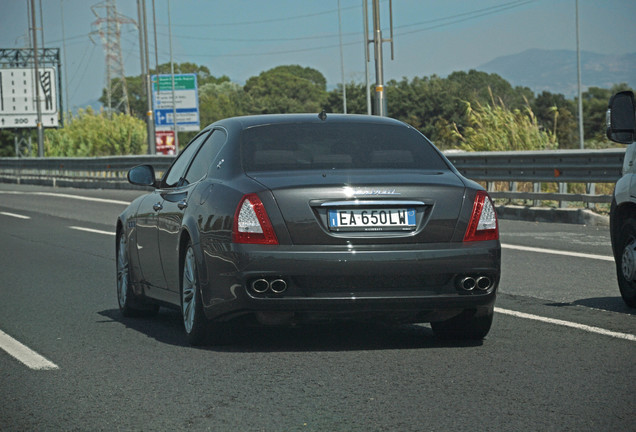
337	207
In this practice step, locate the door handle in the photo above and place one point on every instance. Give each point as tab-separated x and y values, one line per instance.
157	206
182	204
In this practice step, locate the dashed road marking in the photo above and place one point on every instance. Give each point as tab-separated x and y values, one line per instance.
587	328
558	252
24	354
76	197
14	215
91	230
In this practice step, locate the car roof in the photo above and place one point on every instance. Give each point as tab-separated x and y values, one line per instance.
245	122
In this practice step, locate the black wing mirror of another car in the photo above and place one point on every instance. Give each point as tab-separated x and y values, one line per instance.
621	118
142	175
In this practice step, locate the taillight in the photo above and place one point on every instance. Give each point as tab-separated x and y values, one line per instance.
251	223
483	220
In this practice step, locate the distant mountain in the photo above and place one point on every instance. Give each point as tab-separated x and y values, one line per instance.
555	70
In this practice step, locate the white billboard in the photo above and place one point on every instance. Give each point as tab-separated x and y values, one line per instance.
17	98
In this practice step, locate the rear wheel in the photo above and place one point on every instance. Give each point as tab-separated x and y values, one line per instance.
194	320
199	330
129	304
467	326
626	262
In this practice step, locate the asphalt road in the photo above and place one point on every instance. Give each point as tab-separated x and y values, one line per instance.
560	355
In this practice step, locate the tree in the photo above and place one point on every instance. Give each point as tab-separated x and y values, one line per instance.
595	102
555	114
287	89
477	86
423	101
221	100
430	104
7	143
356	99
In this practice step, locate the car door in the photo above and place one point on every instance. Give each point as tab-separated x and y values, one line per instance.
176	202
147	243
148	217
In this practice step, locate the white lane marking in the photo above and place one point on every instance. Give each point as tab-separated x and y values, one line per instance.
558	252
24	354
77	197
583	327
90	230
19	216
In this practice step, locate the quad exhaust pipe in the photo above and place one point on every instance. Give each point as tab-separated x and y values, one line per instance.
481	283
262	286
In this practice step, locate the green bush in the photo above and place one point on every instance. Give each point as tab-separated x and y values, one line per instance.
95	134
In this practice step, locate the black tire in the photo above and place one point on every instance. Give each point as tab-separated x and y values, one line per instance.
466	326
199	330
626	262
194	321
129	304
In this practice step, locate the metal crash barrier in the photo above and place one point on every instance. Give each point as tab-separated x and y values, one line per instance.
501	172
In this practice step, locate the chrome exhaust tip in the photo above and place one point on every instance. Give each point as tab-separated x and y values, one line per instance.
260	286
468	283
483	283
278	286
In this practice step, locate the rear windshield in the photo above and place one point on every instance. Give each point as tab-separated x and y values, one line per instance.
291	147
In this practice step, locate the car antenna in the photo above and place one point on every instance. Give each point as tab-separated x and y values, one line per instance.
323	115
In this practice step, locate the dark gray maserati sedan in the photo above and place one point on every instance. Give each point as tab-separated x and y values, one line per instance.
304	218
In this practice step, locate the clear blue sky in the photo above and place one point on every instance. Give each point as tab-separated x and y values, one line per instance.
241	38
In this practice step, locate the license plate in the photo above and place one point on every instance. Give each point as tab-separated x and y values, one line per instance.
394	219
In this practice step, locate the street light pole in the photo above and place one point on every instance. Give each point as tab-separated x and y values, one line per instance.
365	13
174	104
37	83
380	101
145	73
578	73
344	87
149	113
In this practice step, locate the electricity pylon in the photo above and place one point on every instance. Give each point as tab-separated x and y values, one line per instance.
109	30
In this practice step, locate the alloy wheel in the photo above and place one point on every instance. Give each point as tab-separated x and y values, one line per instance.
188	296
628	263
122	272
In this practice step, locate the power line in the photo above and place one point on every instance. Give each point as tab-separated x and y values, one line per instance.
477	13
281	39
449	20
290	18
84	70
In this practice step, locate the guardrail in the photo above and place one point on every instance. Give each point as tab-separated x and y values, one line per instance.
537	167
107	172
562	167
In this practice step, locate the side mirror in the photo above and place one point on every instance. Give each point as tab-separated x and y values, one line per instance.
142	175
621	118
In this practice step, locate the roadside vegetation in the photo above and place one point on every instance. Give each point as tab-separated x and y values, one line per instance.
473	111
91	133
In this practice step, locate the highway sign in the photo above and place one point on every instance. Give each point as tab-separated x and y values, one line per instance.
17	98
186	102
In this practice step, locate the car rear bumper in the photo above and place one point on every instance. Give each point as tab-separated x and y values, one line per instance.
414	280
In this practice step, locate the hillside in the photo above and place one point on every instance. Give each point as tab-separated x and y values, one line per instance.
555	70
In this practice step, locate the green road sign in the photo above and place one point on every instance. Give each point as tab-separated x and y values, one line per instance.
181	82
